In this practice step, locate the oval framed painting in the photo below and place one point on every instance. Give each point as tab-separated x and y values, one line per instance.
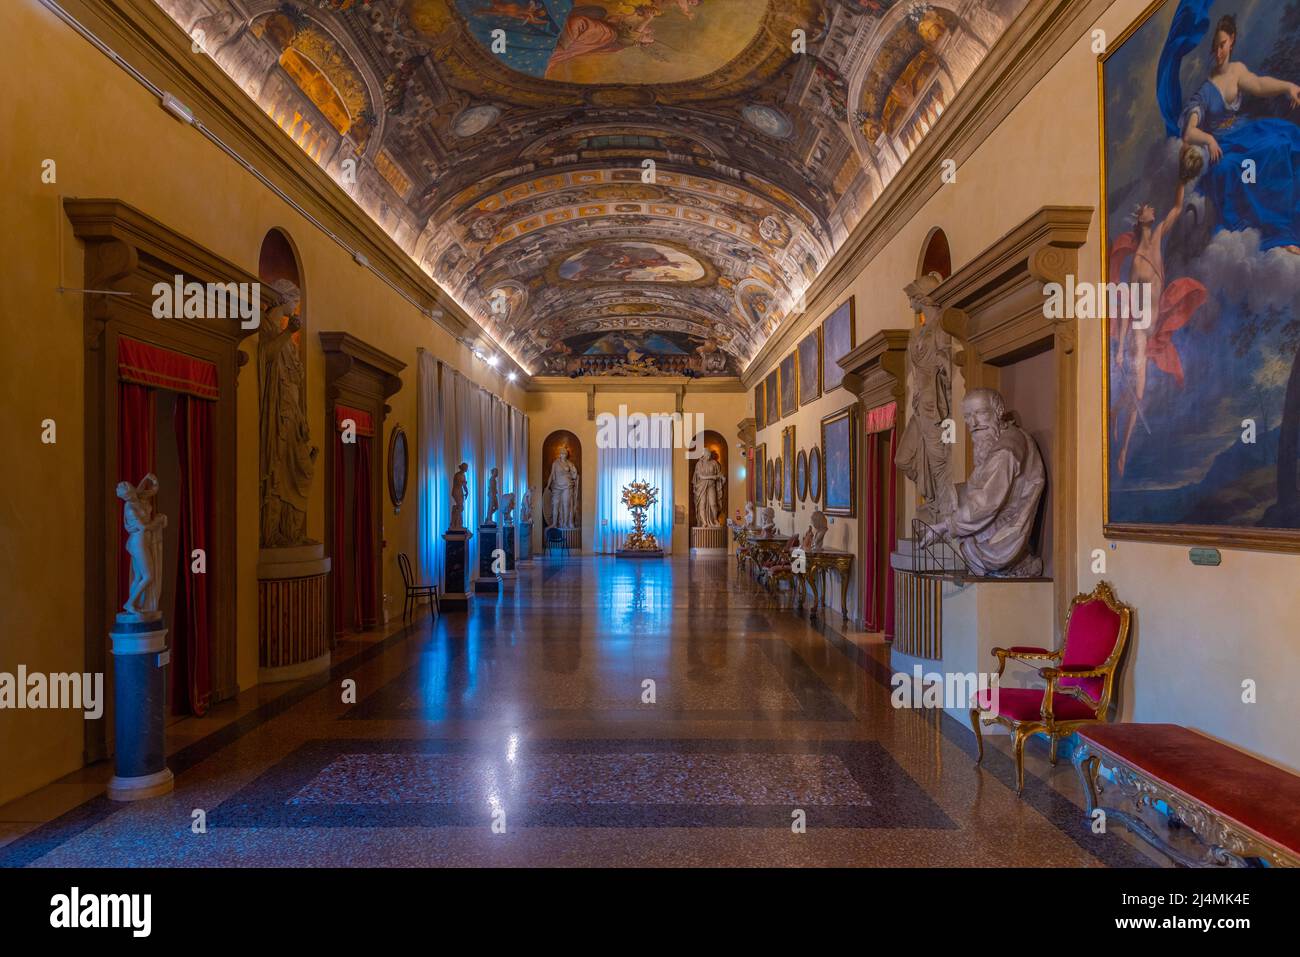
398	466
801	475
769	490
815	474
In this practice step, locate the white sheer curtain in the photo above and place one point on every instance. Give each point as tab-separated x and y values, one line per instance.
457	421
616	467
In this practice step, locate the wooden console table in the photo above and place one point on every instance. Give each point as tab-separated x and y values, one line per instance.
819	563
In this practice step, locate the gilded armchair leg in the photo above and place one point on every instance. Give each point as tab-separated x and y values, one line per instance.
1051	749
979	736
1019	746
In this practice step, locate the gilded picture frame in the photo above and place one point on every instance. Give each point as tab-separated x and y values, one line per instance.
787	469
839	465
789	379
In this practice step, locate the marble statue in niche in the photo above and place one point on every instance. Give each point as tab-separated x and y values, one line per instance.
493	497
459	492
144	543
288	459
992	520
563	486
708	485
923	455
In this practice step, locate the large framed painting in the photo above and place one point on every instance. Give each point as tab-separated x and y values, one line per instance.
1201	218
787	468
772	398
760	473
760	407
838	332
810	367
789	377
839	470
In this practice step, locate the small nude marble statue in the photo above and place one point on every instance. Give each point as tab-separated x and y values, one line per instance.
993	518
144	544
459	492
526	507
508	508
493	497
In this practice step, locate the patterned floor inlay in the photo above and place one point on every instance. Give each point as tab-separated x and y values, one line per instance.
586	783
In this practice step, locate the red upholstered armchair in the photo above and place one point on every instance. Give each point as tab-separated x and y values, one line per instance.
1079	686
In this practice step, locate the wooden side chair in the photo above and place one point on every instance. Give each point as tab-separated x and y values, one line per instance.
414	591
1079	686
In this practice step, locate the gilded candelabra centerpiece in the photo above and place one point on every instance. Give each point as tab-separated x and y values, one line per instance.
638	497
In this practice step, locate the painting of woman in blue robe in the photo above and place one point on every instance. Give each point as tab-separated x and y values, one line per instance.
1201	192
1264	195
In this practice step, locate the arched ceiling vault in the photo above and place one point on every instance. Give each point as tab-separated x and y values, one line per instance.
615	186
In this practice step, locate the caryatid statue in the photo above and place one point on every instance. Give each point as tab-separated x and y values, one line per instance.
287	459
993	517
707	486
563	486
144	543
923	455
459	492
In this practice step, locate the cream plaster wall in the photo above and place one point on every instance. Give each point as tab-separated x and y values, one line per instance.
110	138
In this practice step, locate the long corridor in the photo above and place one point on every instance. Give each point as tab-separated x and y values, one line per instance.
601	712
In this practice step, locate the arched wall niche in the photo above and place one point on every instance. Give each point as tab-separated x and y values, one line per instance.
715	443
563	438
936	255
278	262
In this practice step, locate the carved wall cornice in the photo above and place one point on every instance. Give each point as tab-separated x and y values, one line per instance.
876	371
351	363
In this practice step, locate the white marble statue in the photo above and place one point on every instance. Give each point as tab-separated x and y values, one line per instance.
144	543
922	455
526	506
508	508
287	459
459	492
493	497
749	515
767	519
996	506
707	486
563	488
814	538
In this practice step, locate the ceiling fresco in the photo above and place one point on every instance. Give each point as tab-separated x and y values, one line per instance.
661	177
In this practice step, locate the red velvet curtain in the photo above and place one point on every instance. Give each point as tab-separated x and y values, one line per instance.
191	634
135	459
363	535
881	517
339	565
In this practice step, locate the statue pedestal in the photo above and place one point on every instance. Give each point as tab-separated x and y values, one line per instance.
455	570
139	711
525	553
292	600
486	580
508	542
706	540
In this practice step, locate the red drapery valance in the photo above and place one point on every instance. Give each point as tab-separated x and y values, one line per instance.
364	423
881	418
162	368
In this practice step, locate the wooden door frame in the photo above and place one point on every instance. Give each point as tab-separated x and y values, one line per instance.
127	252
359	376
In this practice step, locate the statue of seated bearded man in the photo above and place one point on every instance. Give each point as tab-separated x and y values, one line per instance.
997	506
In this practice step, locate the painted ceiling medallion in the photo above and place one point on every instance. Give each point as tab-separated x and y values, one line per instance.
474	120
768	120
631	262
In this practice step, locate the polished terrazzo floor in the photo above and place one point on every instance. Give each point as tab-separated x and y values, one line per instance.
601	712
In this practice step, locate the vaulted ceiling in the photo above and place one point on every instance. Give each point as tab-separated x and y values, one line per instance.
618	187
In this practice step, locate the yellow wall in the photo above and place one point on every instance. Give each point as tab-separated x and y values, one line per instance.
1200	632
549	411
110	138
